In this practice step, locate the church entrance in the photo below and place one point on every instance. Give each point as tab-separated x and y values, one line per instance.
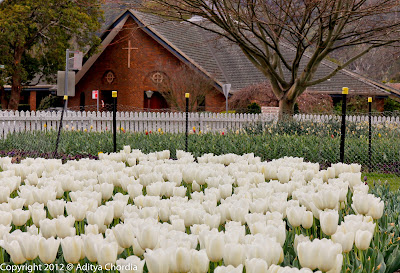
106	100
155	103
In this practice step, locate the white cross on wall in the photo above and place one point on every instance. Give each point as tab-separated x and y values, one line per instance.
129	48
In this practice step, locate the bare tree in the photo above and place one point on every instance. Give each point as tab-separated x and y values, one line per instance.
180	80
264	29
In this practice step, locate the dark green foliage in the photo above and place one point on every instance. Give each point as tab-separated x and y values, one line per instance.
253	108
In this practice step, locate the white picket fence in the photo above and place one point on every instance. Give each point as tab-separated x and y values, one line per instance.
15	121
11	121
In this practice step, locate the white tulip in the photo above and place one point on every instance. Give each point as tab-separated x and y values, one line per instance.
376	209
14	250
124	235
329	221
233	254
148	236
215	247
229	269
157	261
256	265
64	226
307	220
77	210
48	228
363	239
91	229
295	215
346	240
29	245
56	208
72	249
20	217
107	254
48	249
132	264
199	262
5	218
91	244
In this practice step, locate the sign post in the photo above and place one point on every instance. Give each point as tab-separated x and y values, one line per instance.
114	96
345	91
369	134
187	95
77	65
226	88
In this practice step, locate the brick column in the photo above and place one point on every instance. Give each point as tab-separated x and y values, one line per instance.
32	100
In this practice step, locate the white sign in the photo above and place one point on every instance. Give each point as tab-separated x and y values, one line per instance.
95	94
226	88
2	66
78	57
61	83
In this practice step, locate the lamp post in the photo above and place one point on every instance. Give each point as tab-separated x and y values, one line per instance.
149	93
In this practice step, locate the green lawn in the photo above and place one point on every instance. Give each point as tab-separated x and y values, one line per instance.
392	179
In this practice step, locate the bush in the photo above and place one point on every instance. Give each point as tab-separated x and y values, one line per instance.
253	108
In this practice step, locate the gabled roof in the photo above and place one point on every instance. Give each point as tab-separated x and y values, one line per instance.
220	59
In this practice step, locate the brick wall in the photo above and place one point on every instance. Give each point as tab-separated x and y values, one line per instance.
131	83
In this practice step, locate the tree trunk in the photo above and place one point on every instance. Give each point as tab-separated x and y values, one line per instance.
16	85
286	108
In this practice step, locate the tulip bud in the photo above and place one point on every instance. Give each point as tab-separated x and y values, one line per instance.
307	220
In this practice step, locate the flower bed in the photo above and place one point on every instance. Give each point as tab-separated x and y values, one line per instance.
136	212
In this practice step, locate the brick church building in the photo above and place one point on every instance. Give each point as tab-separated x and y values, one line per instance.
139	49
134	59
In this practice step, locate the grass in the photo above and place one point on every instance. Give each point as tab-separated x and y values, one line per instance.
392	179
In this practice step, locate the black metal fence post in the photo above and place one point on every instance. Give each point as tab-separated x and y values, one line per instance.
345	91
60	126
187	95
370	133
114	95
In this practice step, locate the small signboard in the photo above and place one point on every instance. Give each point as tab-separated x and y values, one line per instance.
95	94
61	84
226	88
78	57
